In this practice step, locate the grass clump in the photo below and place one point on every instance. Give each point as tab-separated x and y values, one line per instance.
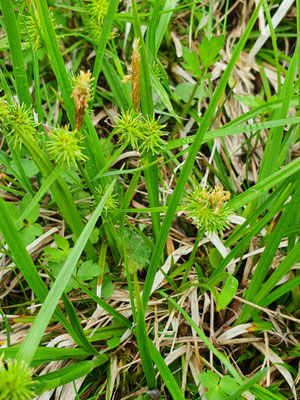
149	222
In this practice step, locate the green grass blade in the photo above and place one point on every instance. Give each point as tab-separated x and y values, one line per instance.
25	264
24	180
36	76
47	354
115	84
32	340
56	58
262	393
205	339
163	23
5	87
163	95
151	174
264	185
247	234
59	190
68	374
125	202
64	83
43	190
16	52
19	253
142	337
248	384
227	131
151	32
284	267
127	198
272	205
106	30
5	160
76	325
274	44
256	290
179	189
165	373
124	321
94	149
281	291
273	153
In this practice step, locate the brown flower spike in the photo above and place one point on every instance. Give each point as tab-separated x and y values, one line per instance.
134	77
136	59
81	95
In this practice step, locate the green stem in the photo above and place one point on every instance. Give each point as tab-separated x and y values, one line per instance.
59	190
142	337
192	256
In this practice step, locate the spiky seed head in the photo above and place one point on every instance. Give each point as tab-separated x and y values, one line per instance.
64	146
19	121
207	208
15	381
97	10
32	26
128	126
143	134
111	202
152	132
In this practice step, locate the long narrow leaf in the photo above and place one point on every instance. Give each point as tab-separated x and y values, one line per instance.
273	154
143	340
25	264
64	81
43	189
248	384
59	190
32	340
265	185
226	131
252	231
205	339
68	374
151	174
16	52
165	373
105	306
179	189
106	31
47	354
256	291
56	57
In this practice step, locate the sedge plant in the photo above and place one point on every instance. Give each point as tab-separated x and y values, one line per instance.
110	168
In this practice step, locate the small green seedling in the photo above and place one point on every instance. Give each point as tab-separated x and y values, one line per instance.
218	389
